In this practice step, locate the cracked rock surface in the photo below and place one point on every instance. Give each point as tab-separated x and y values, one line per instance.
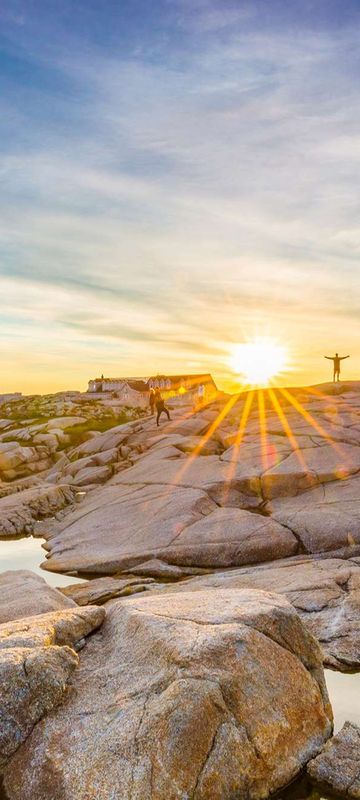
37	657
20	510
176	699
337	768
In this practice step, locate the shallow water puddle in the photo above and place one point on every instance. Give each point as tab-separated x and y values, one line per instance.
27	553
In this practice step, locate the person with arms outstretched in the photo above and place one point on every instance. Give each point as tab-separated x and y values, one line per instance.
336	359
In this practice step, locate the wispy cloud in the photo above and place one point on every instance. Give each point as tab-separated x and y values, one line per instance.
167	195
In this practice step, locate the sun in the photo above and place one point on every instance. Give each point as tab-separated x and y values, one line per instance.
259	361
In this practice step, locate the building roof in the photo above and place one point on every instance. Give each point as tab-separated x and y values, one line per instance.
194	379
183	375
142	385
138	385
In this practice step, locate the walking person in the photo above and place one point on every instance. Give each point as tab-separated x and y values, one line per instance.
152	401
336	359
160	406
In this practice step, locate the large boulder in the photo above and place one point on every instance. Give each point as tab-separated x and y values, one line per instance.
25	594
37	657
325	593
222	698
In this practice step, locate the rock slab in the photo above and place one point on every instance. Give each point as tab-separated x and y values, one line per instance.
101	590
25	594
324	592
181	526
337	768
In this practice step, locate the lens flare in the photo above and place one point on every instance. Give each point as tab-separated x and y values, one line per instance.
259	361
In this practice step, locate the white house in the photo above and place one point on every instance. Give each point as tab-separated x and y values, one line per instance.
130	391
134	392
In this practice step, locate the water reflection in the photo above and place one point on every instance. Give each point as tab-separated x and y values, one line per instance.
302	790
27	553
344	693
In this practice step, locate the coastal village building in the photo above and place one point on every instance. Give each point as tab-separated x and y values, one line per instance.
187	387
130	391
135	391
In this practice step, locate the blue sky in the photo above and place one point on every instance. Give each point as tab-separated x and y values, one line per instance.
177	177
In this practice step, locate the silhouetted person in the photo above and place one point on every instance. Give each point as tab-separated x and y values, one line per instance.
160	406
152	401
336	359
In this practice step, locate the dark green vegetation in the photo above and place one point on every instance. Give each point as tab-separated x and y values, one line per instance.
79	433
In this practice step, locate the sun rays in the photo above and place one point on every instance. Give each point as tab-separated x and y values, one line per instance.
262	407
258	428
239	437
263	431
287	427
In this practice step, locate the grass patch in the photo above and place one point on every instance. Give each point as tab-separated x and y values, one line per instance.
78	433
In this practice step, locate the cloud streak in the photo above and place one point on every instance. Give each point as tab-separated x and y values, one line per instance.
167	197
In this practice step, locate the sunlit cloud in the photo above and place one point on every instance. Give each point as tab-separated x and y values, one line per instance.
169	187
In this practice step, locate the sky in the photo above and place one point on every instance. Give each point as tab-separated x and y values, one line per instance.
177	177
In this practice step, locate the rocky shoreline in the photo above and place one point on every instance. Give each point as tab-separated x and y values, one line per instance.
225	560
